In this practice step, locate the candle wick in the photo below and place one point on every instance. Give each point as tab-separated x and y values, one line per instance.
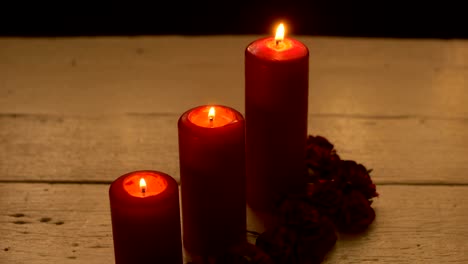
278	41
211	121
143	190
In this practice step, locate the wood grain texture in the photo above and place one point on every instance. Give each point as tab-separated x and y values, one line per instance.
379	77
100	148
87	110
70	223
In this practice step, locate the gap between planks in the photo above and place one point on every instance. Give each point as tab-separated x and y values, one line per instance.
316	115
178	182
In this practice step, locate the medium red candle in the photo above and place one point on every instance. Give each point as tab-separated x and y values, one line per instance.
276	99
212	174
146	218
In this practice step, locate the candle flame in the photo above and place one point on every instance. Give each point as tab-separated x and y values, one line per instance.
279	37
211	113
143	185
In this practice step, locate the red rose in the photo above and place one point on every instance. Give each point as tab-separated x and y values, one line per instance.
296	211
348	175
338	196
356	177
319	149
299	245
320	142
302	236
315	242
320	156
326	197
356	214
279	243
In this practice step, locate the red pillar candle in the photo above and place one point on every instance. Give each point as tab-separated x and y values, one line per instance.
276	99
146	218
212	174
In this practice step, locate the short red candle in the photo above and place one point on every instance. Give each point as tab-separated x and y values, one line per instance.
276	99
212	174
146	218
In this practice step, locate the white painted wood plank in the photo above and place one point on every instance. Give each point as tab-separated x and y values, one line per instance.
100	148
173	73
69	223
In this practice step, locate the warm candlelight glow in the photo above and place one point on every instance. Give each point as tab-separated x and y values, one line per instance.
279	42
218	116
279	37
143	185
137	183
211	113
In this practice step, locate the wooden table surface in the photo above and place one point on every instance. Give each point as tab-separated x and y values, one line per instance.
75	113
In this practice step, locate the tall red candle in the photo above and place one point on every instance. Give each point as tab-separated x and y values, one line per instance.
146	218
212	174
276	99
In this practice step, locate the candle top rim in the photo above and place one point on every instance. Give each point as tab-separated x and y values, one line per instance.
224	116
155	184
290	49
122	198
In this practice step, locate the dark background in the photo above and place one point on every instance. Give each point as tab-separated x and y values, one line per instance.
402	19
